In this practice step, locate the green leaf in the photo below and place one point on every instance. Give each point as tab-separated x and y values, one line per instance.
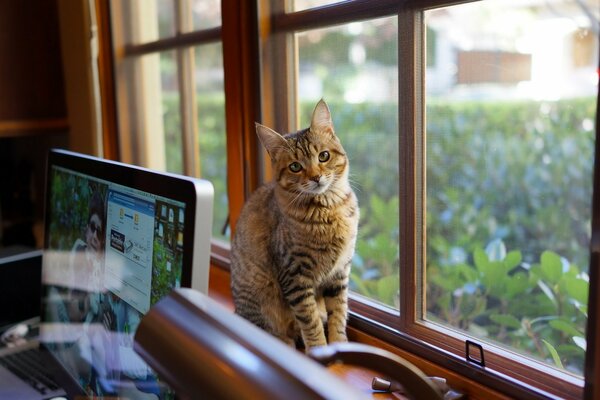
506	320
554	354
387	289
512	259
495	279
516	284
551	266
564	326
481	260
361	288
578	289
569	351
468	273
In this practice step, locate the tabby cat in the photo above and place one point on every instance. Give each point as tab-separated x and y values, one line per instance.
294	240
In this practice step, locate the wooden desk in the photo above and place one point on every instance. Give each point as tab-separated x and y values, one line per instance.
361	379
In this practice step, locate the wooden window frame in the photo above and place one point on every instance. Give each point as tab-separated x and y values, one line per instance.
242	105
110	140
505	371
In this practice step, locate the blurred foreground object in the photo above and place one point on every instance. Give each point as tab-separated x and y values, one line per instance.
202	349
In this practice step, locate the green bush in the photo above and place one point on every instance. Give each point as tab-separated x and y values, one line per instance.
518	171
539	309
512	175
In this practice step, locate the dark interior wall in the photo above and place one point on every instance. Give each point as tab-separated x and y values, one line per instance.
22	185
31	73
32	100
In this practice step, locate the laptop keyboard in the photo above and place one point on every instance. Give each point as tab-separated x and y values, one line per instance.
28	366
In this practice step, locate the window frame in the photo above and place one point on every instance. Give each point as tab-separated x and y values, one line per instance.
255	35
506	371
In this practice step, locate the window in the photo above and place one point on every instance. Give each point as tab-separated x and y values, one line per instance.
169	72
461	123
470	127
508	205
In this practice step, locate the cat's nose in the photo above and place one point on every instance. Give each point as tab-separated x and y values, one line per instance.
316	178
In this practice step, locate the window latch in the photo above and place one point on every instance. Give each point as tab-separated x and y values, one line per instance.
479	360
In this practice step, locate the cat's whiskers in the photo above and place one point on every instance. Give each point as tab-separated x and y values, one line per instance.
354	183
299	194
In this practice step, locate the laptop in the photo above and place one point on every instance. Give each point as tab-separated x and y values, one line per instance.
118	238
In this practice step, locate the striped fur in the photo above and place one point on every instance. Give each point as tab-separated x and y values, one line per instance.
294	240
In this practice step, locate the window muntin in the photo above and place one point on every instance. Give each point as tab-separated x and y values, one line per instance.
299	5
354	67
510	140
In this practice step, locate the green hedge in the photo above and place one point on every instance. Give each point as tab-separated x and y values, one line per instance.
514	176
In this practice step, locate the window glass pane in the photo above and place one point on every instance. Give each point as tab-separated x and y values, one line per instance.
171	113
511	100
166	18
299	5
156	20
206	14
354	67
210	96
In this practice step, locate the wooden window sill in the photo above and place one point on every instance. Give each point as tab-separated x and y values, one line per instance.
359	378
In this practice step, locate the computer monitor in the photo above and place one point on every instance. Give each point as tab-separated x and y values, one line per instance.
118	238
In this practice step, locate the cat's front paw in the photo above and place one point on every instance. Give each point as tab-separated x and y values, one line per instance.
314	343
337	336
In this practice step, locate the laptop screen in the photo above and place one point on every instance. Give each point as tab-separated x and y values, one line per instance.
117	239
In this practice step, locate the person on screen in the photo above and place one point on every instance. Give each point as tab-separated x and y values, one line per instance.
87	255
107	320
77	302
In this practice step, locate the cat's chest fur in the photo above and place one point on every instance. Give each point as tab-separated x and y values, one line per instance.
324	226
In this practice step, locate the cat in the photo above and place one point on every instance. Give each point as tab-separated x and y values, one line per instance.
294	240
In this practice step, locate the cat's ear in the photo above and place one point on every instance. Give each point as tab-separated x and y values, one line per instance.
321	118
272	140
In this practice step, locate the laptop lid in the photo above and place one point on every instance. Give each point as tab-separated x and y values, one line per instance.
117	239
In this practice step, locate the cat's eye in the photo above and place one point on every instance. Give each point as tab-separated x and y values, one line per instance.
295	166
324	156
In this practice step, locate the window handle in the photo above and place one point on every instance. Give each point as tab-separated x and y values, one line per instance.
475	360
